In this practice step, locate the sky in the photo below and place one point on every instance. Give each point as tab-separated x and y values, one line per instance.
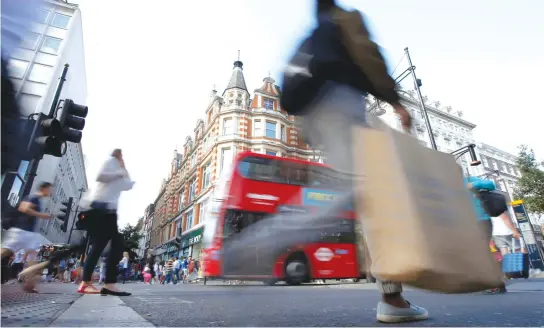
151	66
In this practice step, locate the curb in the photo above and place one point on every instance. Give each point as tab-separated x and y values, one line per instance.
100	311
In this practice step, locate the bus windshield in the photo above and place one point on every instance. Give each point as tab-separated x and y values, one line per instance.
287	172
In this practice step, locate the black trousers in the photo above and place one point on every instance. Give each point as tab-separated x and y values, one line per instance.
104	231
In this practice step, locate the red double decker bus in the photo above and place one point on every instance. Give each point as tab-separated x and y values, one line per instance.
263	225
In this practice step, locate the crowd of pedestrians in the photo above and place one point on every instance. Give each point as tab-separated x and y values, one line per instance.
172	271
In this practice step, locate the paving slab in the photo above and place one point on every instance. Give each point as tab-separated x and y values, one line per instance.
33	310
100	311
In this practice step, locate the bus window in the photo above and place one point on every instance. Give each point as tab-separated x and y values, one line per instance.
236	221
287	172
261	169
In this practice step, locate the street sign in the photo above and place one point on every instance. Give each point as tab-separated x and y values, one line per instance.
535	257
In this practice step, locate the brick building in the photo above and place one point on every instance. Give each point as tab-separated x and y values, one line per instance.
234	122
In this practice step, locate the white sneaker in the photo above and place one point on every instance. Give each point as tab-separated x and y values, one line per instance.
391	314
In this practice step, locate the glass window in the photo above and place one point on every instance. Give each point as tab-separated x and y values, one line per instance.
189	224
287	172
257	128
192	190
236	221
270	129
268	103
43	16
181	203
60	20
203	210
30	41
226	160
41	73
228	127
51	45
206	176
283	135
193	160
17	68
271	153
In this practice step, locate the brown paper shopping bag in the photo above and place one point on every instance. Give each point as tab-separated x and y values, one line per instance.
419	225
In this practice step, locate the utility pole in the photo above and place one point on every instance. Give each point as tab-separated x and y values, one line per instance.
421	103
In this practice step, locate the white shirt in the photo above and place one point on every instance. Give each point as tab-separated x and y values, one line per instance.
500	228
124	262
19	257
112	180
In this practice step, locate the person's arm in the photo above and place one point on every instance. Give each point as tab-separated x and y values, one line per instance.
366	55
506	219
110	172
28	208
482	184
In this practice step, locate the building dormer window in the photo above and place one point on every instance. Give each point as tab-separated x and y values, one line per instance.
268	103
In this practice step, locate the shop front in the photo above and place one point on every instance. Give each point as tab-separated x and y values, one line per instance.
170	250
191	243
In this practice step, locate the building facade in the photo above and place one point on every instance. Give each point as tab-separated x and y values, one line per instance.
235	121
146	230
450	130
35	67
500	166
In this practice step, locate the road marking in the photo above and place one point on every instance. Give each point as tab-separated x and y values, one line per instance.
170	300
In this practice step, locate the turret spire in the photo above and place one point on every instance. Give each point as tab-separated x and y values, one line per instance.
237	80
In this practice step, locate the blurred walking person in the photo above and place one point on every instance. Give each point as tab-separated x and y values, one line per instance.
113	179
124	266
168	271
21	235
342	66
16	21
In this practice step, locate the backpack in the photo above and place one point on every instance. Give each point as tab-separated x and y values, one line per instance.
320	58
493	203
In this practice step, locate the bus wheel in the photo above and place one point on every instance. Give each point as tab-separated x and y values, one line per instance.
296	269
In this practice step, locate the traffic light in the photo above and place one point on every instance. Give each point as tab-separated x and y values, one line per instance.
64	215
72	121
46	137
82	222
177	242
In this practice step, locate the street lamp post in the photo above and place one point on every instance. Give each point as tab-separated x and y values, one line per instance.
420	98
417	83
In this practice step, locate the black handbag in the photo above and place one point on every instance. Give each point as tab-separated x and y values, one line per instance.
493	203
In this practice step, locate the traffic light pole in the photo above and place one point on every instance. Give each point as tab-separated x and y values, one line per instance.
75	216
57	93
35	162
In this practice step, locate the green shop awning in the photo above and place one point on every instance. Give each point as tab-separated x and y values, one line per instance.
191	238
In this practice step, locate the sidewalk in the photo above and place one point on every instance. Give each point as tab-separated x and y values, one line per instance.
23	309
100	311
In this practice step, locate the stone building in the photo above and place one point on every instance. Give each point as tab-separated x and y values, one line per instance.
235	121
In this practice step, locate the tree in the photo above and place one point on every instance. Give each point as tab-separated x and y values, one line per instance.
530	186
131	236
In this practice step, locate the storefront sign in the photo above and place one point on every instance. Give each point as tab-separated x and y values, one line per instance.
191	238
528	234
